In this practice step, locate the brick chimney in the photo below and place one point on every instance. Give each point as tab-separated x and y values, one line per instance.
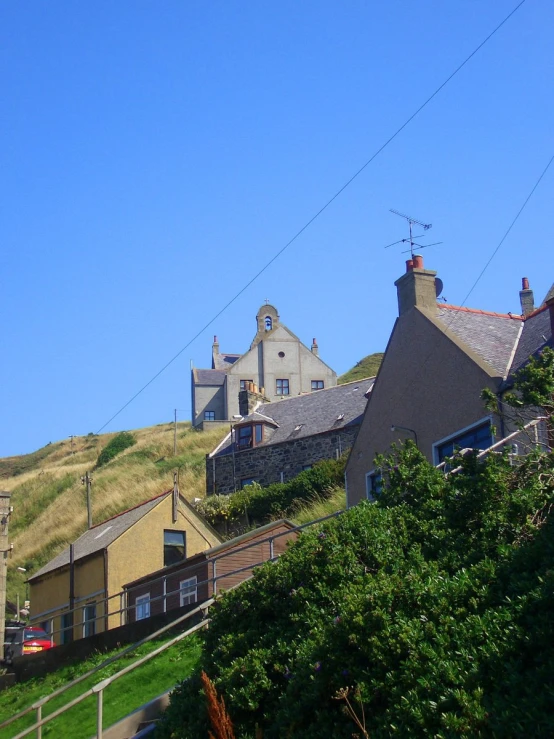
526	297
251	398
416	287
315	348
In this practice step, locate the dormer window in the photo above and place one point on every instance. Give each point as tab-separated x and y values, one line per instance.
268	323
250	435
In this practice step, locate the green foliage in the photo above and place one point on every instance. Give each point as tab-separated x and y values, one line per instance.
534	387
366	367
13	466
114	447
260	505
435	603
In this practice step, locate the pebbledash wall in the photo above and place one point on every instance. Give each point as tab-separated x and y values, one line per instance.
277	462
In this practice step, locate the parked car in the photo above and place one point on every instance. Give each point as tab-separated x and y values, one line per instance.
21	639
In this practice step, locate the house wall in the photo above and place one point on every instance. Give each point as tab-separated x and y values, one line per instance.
266	463
426	382
51	593
245	554
263	365
208	398
140	549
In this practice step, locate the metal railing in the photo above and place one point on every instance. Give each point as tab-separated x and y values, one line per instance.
100	687
125	609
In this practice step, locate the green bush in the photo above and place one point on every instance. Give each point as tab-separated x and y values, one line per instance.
435	603
116	445
260	505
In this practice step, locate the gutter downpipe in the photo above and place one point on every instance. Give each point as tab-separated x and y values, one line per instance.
233	437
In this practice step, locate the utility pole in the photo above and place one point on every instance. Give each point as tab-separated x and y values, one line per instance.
5	511
175	435
87	480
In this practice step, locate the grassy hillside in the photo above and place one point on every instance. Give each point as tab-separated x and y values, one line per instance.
49	500
366	367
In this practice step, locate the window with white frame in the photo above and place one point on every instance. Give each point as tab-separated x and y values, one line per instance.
142	607
89	620
373	484
478	436
188	591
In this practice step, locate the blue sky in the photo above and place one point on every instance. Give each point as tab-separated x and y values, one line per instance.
155	155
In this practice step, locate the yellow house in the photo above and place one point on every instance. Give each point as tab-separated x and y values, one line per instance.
90	574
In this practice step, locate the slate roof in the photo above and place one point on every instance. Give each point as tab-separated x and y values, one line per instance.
492	336
99	537
224	361
537	333
208	377
313	413
549	295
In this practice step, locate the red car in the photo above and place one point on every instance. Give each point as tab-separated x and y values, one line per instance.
21	639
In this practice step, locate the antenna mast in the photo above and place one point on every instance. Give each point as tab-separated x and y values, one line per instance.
411	222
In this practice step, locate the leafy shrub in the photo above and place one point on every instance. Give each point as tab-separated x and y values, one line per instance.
258	505
114	447
435	603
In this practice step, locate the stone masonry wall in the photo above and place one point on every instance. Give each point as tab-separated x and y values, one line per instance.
266	463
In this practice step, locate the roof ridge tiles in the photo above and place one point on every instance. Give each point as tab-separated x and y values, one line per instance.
128	510
512	316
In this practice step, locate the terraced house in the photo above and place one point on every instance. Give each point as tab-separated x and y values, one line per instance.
275	441
438	360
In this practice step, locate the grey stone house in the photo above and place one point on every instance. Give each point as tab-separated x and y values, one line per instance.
277	361
275	441
437	362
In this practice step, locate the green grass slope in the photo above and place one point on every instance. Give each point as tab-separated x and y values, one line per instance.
366	367
153	678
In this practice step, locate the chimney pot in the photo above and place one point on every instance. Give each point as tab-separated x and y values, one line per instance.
418	261
409	265
524	283
215	340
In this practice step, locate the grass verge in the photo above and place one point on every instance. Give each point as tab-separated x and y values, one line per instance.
128	693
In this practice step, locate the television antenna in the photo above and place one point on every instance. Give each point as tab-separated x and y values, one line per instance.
411	240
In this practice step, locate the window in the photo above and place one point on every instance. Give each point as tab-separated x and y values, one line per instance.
317	385
249	435
373	484
282	387
89	620
187	591
67	628
244	384
247	481
476	437
244	439
174	547
142	607
306	467
268	323
209	415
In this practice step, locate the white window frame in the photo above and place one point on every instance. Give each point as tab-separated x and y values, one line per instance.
369	489
89	622
142	602
188	591
461	432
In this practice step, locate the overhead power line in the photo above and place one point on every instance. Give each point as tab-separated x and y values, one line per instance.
319	212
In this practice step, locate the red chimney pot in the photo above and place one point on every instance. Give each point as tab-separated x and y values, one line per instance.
524	283
409	265
418	261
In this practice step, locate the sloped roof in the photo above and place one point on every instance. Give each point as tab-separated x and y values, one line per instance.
537	333
99	537
549	295
313	413
492	336
224	361
208	377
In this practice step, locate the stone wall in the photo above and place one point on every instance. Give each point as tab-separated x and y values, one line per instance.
276	462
